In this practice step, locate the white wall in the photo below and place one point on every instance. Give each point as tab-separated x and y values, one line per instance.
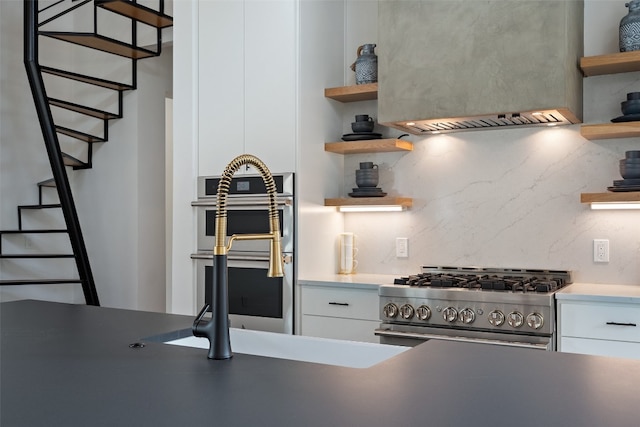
511	198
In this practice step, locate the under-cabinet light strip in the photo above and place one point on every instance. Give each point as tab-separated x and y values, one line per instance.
614	205
372	208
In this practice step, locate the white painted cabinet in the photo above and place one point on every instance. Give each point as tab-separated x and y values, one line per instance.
247	83
603	328
340	312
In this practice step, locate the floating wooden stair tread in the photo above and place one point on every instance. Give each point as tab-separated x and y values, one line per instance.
48	183
39	256
370	201
32	231
610	196
79	135
48	206
72	161
105	44
621	62
368	146
108	84
355	93
138	12
82	109
38	282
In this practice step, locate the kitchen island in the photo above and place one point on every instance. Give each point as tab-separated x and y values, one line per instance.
73	365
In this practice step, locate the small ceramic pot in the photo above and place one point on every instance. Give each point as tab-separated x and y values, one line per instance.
367	175
362	127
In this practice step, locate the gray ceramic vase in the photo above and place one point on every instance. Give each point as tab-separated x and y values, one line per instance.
630	28
366	65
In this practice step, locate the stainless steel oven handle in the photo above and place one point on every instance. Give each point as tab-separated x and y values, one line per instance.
231	202
425	337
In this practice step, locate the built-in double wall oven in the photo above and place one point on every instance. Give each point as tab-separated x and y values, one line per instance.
255	301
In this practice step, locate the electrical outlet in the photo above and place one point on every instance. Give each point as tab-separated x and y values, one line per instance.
402	247
600	250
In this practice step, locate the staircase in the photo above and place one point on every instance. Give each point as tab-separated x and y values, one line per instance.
72	119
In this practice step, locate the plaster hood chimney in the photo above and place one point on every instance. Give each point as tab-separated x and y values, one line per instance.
456	65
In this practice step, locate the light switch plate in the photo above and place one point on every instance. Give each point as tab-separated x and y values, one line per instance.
402	247
600	250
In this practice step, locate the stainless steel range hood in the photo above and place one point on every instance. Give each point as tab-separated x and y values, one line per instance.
458	65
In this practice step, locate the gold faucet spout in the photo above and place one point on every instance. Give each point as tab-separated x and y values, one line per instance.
222	247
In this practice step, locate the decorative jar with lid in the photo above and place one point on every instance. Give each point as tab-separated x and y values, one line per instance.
630	28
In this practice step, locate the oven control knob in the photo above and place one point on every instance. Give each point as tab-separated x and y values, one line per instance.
423	312
406	312
535	320
496	318
467	316
515	319
390	310
450	314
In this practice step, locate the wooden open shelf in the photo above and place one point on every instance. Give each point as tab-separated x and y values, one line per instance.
610	130
608	197
368	146
370	201
613	63
355	93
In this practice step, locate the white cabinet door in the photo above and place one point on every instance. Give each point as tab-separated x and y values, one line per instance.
220	84
270	82
247	83
339	328
600	347
340	302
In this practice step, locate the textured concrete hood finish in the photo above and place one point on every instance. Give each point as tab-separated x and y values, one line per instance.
460	64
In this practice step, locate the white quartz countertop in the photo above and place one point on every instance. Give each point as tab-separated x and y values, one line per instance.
359	280
600	292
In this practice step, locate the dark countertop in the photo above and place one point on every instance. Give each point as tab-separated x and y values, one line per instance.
71	365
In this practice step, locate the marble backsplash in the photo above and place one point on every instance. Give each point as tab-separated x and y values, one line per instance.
500	198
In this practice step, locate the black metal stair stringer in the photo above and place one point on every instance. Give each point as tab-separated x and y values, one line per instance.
54	152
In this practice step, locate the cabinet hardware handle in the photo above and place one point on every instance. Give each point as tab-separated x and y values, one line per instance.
621	324
344	304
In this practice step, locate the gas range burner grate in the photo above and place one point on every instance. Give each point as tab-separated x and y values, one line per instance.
485	279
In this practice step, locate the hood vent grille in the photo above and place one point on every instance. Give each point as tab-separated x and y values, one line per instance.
502	121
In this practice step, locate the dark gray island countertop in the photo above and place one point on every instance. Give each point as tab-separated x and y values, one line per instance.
71	365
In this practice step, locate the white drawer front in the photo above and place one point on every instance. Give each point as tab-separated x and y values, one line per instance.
341	329
337	302
600	321
600	347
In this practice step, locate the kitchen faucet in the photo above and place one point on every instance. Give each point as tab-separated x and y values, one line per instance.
216	330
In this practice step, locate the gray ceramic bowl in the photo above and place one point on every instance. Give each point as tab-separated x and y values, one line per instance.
362	126
631	106
629	171
632	161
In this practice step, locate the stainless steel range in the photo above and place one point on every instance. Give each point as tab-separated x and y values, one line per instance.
502	306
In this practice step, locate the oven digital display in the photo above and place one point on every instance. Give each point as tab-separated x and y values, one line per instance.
243	186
